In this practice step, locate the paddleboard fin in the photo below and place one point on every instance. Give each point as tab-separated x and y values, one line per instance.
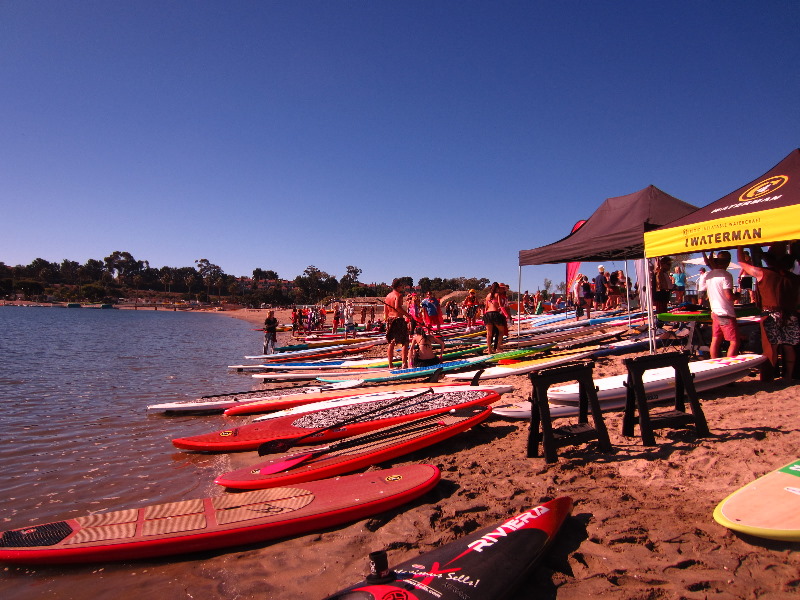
477	378
436	376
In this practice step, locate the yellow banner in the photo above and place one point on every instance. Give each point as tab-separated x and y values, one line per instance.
755	228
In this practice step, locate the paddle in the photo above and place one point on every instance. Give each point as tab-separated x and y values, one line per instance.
276	446
295	459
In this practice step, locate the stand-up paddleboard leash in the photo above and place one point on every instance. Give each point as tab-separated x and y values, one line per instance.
379	571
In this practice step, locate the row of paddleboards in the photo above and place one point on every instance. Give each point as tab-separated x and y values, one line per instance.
342	417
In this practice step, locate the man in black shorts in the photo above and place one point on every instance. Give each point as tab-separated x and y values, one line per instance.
396	328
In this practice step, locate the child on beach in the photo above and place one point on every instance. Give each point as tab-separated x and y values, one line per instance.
470	306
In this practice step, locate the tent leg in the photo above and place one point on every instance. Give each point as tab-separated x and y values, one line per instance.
651	332
519	298
628	294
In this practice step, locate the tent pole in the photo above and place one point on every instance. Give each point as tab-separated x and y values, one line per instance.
627	294
519	298
651	330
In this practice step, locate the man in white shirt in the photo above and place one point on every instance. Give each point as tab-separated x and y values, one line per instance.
701	287
719	288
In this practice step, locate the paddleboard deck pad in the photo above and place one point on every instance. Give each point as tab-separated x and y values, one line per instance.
485	565
768	507
218	522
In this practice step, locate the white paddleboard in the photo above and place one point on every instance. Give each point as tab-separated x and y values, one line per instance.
520	368
217	404
659	384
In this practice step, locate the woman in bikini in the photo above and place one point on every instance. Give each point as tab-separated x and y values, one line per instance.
422	354
494	319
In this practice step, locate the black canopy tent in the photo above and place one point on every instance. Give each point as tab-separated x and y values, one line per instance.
615	231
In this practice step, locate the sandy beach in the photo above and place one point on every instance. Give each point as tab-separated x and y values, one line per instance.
642	526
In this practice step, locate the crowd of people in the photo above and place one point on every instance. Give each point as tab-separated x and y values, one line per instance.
776	292
413	322
607	291
306	319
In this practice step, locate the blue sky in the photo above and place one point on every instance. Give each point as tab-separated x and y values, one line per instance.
421	138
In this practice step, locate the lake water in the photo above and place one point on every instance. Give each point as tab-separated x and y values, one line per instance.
76	438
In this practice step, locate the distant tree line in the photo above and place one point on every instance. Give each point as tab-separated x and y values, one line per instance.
120	275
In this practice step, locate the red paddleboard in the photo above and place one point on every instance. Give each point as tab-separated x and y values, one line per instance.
250	437
219	522
485	565
354	453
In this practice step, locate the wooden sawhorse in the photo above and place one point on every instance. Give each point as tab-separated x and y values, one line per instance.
569	435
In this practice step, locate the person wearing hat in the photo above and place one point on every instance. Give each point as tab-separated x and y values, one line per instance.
779	293
470	306
600	289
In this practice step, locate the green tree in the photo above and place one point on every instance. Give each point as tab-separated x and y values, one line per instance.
166	275
209	273
314	284
122	265
349	281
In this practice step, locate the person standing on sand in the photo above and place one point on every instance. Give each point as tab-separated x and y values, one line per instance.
432	311
719	287
396	328
337	318
494	319
348	319
600	288
701	287
588	296
414	311
679	284
270	332
779	292
662	284
470	306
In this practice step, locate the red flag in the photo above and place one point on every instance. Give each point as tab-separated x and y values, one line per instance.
572	268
